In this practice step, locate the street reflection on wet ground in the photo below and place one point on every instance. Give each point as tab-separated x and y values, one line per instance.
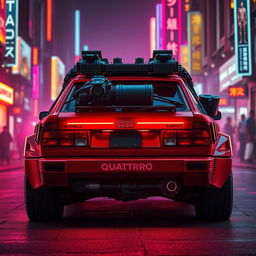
102	226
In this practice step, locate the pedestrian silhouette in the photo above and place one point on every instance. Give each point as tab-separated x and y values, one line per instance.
5	141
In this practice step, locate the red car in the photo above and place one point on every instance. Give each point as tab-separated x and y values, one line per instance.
129	131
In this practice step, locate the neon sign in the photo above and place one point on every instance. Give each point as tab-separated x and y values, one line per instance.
172	31
6	93
2	21
23	66
242	29
49	21
223	102
237	92
158	26
57	76
184	56
195	37
227	74
77	33
36	82
11	32
152	34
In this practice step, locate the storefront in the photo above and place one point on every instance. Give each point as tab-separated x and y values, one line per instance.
234	91
6	100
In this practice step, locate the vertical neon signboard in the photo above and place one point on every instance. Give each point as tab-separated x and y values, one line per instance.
36	81
172	27
35	56
158	26
57	76
186	6
11	25
242	29
195	43
77	34
2	22
184	56
152	34
35	73
49	20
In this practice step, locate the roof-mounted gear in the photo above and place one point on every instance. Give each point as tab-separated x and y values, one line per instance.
162	63
92	63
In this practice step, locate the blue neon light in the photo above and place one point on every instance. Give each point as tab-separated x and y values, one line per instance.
243	60
86	48
77	32
12	18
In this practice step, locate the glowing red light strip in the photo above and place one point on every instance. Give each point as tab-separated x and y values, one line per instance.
49	21
90	123
160	123
173	123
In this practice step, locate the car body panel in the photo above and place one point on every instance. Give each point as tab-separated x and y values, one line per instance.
151	161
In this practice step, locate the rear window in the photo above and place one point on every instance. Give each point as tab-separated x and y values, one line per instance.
164	95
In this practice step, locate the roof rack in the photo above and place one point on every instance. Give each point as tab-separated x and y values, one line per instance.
92	64
162	63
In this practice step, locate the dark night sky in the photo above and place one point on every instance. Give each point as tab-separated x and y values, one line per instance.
120	28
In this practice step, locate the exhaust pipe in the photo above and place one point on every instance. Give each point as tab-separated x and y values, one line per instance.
170	188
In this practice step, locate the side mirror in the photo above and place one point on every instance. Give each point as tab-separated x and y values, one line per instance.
43	114
211	105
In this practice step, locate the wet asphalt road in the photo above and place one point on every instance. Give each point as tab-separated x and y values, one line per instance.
155	226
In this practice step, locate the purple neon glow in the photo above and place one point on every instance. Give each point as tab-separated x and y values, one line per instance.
36	79
163	25
180	4
159	26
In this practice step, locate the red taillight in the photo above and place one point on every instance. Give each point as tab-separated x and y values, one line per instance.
202	141
49	142
50	138
65	138
184	141
186	137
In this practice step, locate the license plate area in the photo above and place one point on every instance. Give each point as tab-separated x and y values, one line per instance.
125	139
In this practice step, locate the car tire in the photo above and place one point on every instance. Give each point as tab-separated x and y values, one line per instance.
43	204
215	203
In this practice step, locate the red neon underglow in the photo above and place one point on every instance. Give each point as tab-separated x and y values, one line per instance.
49	21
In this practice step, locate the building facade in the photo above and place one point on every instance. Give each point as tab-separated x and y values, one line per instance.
237	92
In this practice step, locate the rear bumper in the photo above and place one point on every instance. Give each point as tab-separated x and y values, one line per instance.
191	171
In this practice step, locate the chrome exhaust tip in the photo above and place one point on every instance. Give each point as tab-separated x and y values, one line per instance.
170	188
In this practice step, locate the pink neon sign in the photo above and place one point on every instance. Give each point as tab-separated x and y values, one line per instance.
172	26
36	82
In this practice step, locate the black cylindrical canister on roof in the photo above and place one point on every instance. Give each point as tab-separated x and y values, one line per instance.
128	95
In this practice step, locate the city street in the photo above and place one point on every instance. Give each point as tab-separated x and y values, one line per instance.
147	227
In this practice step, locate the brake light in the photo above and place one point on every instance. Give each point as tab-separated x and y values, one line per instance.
50	138
65	138
185	142
186	137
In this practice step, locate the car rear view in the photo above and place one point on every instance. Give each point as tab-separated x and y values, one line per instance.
129	131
